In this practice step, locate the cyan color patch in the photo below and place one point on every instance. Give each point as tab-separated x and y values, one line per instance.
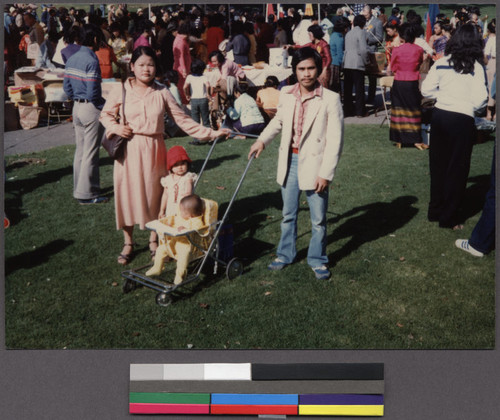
256	399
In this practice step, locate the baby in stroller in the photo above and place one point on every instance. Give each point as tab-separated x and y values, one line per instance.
190	218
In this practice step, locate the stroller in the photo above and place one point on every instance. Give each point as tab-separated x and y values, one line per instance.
204	241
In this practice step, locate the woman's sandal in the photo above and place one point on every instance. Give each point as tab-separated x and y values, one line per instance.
152	252
421	146
124	259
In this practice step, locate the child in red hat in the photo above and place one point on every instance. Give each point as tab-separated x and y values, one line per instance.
178	184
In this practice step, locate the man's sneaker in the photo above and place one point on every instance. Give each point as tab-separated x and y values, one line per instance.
277	264
464	244
97	200
322	272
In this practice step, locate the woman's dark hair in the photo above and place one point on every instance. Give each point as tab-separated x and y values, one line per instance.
341	25
395	11
248	28
271	81
144	25
465	47
184	29
392	25
305	53
412	17
241	87
220	57
359	20
408	32
316	31
197	67
139	51
447	27
492	26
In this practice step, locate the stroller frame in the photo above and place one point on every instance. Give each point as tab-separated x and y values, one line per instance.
233	268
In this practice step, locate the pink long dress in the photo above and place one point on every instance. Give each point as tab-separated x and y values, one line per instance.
182	62
136	178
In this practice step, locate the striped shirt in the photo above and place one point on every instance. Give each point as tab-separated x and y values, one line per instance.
82	77
300	112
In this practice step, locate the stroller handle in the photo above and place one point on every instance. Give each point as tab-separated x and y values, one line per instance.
239	133
206	160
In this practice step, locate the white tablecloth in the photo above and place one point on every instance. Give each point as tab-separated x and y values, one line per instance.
255	77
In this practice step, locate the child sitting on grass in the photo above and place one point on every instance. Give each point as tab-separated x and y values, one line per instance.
191	209
245	116
179	183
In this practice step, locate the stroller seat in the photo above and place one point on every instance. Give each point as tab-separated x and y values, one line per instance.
199	238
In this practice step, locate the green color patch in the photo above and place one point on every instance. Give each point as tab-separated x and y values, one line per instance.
168	398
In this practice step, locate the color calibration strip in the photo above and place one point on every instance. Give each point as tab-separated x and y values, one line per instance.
332	389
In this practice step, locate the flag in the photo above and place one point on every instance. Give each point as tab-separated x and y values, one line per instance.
308	10
281	14
269	11
431	19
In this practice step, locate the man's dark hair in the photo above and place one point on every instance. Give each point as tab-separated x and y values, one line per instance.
91	35
197	67
305	53
271	81
359	20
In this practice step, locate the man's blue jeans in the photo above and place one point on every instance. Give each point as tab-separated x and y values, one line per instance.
318	203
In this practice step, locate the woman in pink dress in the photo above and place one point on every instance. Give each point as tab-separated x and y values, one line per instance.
136	177
182	58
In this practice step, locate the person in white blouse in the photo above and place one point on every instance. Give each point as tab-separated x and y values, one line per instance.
457	82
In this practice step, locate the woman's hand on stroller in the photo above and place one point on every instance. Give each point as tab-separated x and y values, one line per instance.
223	132
256	148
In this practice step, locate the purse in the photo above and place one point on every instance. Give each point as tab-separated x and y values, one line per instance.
116	145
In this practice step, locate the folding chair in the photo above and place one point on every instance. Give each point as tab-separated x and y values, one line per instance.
386	83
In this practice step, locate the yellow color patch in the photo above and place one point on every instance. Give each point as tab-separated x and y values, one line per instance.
341	410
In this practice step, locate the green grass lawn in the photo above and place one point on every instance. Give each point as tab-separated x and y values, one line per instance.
398	281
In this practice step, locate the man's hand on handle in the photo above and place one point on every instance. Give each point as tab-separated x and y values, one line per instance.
256	148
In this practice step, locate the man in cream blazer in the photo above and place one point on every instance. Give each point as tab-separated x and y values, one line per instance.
311	121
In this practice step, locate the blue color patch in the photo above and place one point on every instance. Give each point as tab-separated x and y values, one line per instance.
256	399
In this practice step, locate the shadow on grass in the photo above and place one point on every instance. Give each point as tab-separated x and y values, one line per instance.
36	257
212	162
474	196
369	223
17	189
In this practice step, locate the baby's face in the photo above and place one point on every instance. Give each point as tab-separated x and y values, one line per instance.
185	213
180	168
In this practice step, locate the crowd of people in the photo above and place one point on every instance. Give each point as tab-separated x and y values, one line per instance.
346	38
332	54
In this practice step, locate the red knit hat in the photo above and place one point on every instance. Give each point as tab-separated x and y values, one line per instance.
176	154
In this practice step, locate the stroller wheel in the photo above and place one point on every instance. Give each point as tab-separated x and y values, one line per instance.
163	299
128	286
234	269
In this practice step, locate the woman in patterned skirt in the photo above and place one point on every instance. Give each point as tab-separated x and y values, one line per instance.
406	112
